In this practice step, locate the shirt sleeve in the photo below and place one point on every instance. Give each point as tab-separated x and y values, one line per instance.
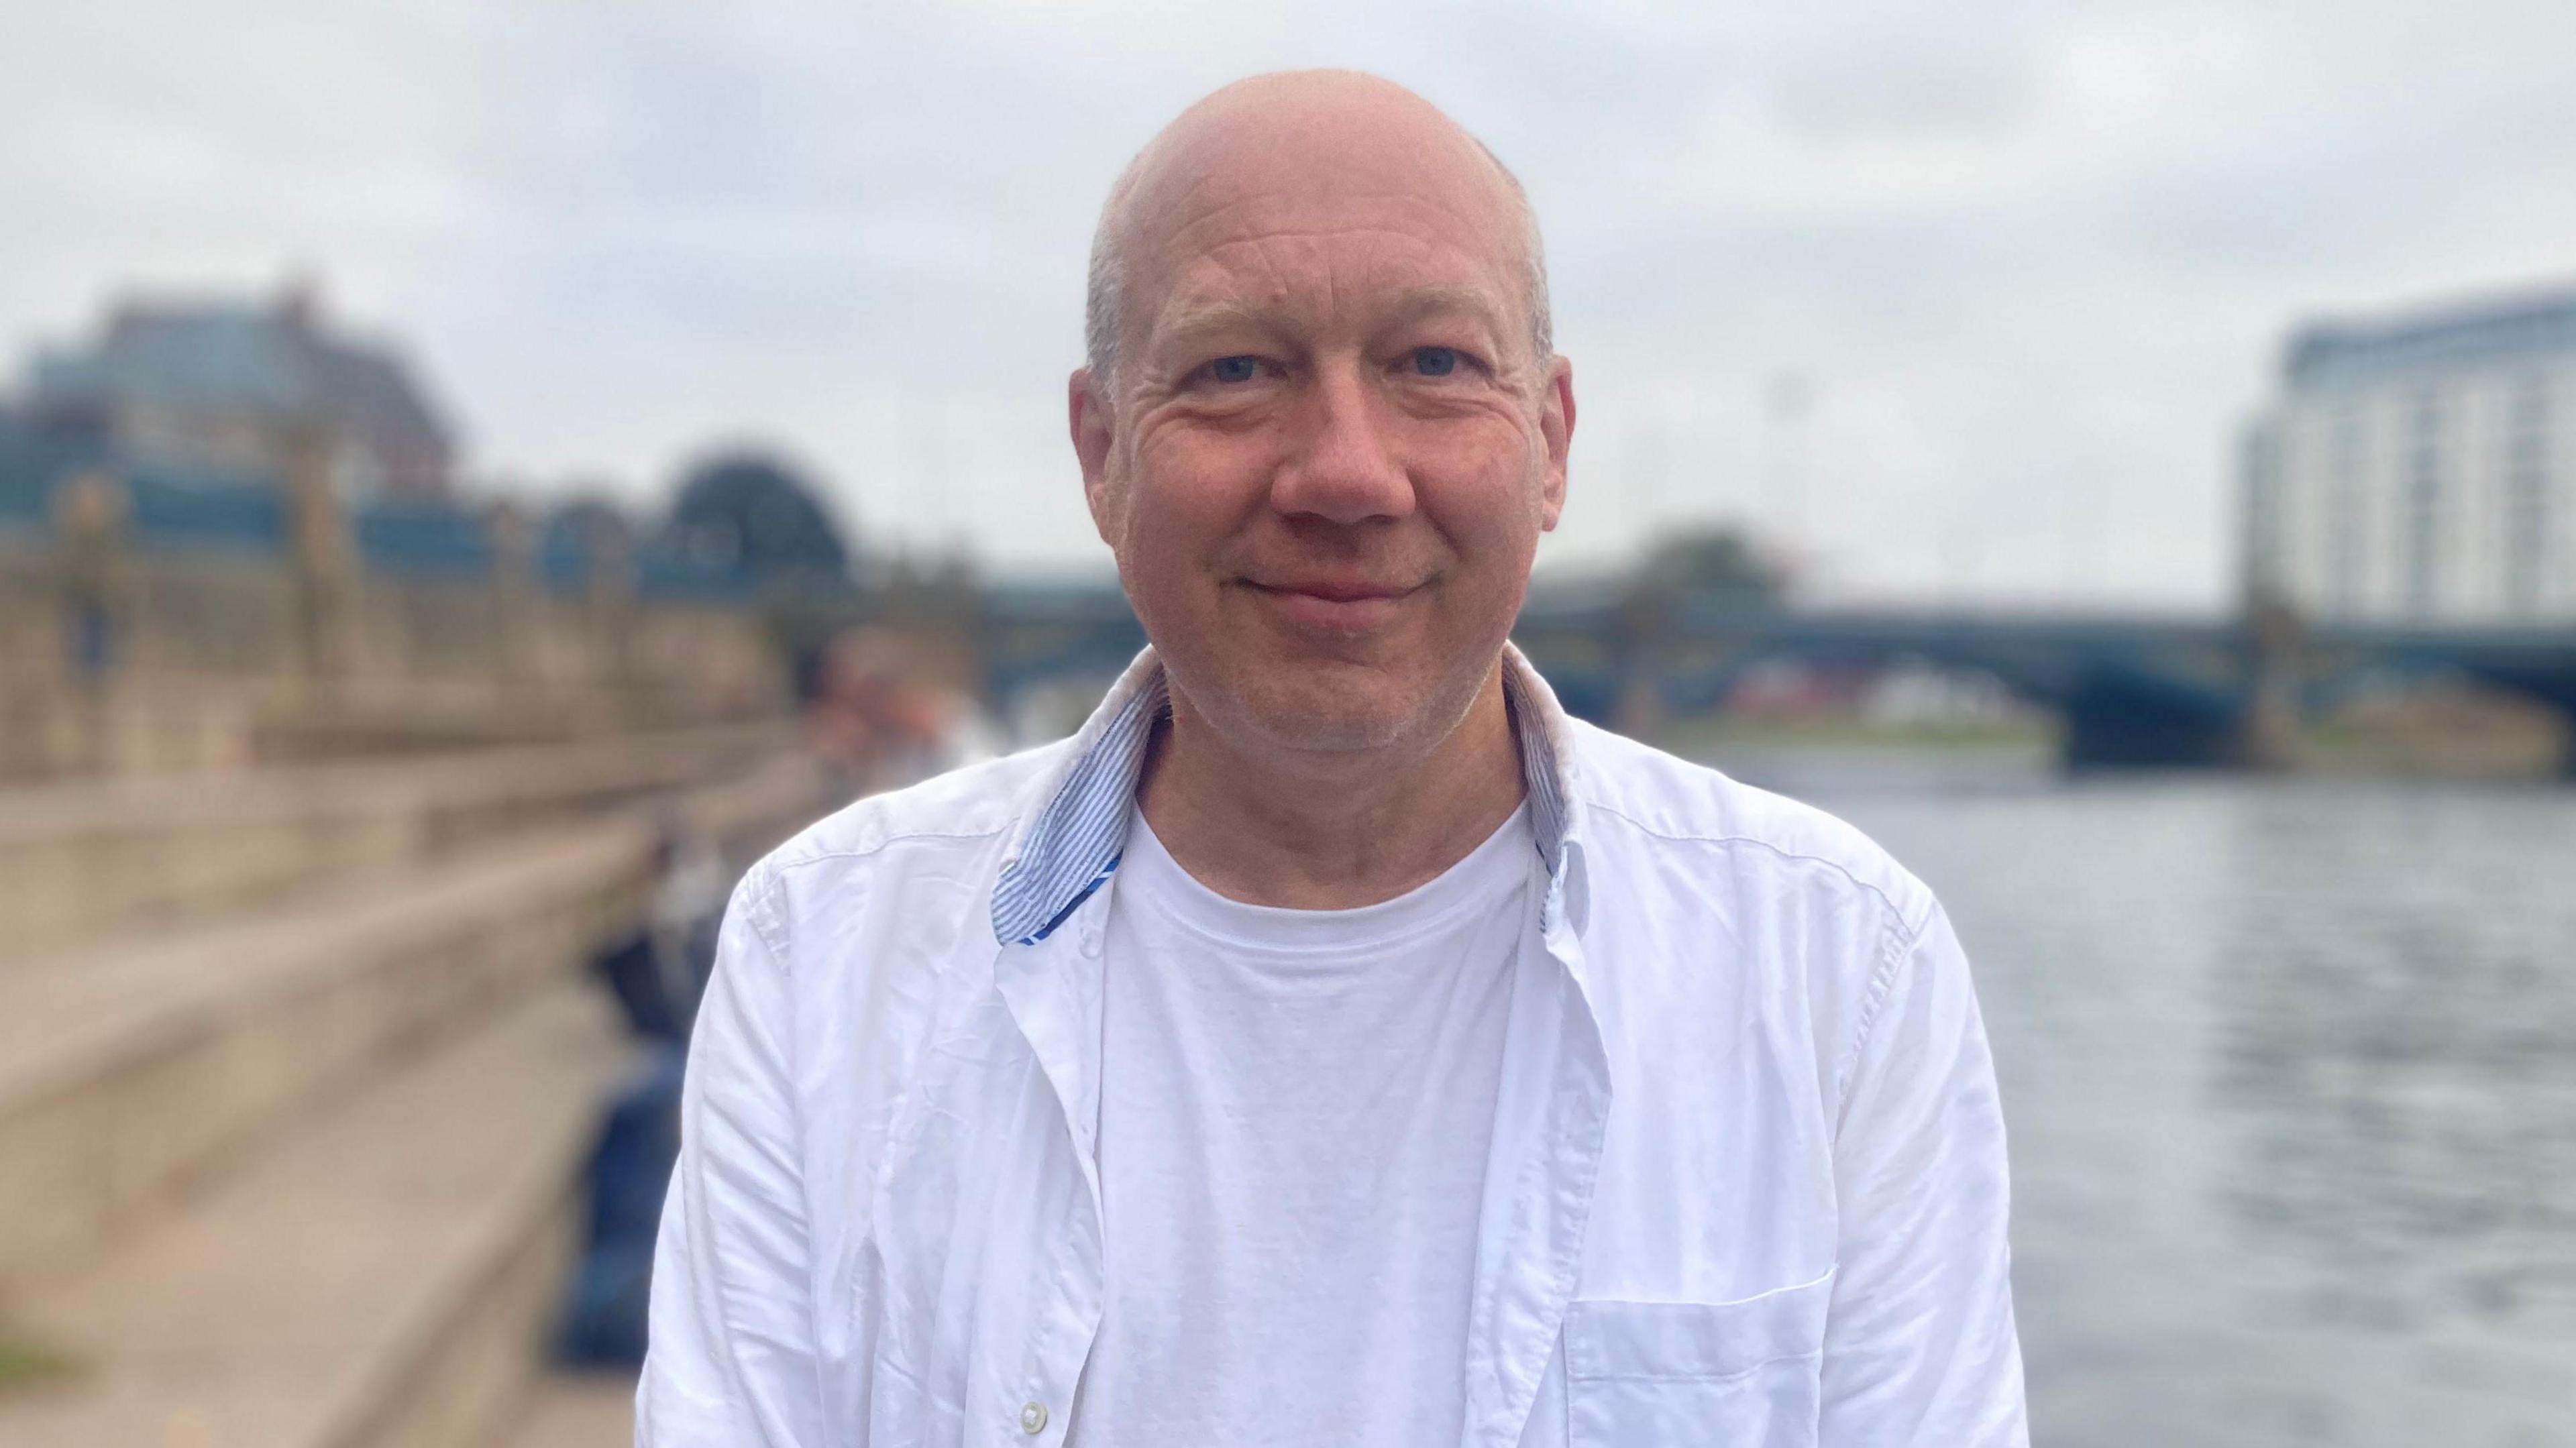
1920	1346
732	1362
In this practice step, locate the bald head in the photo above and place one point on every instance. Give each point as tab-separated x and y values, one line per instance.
1316	131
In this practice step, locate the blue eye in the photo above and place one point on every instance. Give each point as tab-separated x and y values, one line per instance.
1435	361
1234	369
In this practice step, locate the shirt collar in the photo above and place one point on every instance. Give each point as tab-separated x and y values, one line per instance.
1071	845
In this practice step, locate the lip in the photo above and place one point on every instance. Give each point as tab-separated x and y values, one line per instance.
1335	603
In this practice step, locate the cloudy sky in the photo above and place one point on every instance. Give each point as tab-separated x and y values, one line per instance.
1956	301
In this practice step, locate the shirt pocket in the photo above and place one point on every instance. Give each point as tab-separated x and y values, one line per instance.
1743	1374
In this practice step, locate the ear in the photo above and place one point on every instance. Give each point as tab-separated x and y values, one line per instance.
1090	413
1556	428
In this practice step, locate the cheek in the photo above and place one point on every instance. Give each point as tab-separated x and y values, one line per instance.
1480	488
1186	495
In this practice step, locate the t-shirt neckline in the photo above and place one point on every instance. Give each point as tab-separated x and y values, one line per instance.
1484	879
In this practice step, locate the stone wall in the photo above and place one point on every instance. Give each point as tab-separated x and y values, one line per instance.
200	657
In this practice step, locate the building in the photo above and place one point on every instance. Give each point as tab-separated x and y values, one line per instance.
2421	468
236	388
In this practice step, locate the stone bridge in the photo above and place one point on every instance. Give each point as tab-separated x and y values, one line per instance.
2131	689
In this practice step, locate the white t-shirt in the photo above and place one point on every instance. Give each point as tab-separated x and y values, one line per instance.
1296	1108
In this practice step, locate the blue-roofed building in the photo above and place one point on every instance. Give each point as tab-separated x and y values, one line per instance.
2420	467
231	388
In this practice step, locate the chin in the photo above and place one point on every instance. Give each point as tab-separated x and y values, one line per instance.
1329	710
1316	731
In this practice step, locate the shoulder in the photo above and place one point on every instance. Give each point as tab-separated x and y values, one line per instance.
1646	800
1760	899
871	849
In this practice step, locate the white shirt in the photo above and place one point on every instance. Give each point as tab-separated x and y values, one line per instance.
1296	1107
1746	1180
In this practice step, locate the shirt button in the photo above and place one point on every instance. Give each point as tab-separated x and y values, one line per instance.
1033	1419
1091	944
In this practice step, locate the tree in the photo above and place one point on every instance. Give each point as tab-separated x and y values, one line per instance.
751	513
1719	563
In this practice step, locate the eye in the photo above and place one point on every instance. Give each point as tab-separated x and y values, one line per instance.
1435	361
1234	369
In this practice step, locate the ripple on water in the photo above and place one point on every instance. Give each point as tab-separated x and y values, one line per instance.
2290	1067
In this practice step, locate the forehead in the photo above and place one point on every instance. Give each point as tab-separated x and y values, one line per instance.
1295	258
1309	222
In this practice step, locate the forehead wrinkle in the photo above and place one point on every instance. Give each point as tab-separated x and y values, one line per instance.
1462	226
1181	310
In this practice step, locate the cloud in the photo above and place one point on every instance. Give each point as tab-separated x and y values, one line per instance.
2031	259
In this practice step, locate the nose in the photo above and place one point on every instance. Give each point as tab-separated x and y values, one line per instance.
1344	471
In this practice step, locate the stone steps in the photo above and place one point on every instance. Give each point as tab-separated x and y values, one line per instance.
80	861
382	1276
126	1073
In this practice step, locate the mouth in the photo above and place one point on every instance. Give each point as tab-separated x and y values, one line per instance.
1342	605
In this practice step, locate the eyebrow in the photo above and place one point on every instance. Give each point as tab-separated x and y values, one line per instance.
1212	315
1423	301
1415	303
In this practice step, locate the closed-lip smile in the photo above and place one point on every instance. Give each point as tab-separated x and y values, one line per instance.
1335	603
1335	590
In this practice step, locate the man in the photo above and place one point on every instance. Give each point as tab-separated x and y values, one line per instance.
1333	1043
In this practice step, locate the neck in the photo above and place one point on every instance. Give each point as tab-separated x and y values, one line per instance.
1329	832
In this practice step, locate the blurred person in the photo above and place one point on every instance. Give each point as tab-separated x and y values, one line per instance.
1333	1042
90	512
657	974
841	718
879	717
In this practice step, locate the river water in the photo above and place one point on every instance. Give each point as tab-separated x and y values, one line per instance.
2290	1071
